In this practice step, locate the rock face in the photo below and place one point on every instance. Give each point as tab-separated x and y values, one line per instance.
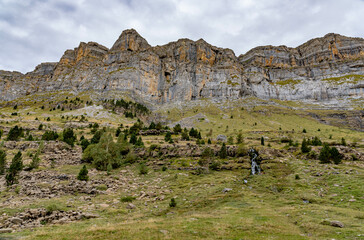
187	70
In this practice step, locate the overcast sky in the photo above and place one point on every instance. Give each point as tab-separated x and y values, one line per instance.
35	31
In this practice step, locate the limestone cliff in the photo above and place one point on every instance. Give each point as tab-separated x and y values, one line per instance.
187	70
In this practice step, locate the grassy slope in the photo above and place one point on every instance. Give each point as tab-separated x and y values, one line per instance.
269	206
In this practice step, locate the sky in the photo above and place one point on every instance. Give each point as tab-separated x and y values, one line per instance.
35	31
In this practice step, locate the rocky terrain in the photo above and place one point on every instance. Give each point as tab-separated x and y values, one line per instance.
320	69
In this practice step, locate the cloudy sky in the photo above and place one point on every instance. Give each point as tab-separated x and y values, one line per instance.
35	31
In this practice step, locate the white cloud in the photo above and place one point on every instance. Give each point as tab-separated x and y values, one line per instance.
35	31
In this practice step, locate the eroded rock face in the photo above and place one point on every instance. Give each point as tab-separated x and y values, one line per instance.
297	73
187	70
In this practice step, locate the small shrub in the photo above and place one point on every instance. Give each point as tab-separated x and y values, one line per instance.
164	168
173	203
262	141
127	199
297	177
143	169
130	158
215	165
102	187
354	157
52	208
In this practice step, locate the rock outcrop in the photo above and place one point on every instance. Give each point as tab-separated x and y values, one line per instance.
187	70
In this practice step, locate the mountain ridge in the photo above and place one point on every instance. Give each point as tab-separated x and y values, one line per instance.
187	70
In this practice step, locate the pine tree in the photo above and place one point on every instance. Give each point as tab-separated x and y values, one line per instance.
304	146
2	161
82	175
139	142
324	156
117	133
84	144
335	155
69	136
262	141
223	152
209	141
239	138
343	142
15	133
168	137
177	128
15	167
133	139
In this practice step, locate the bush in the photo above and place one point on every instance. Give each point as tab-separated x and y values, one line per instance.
2	161
316	141
343	142
262	141
207	153
34	164
130	158
49	135
52	208
312	155
40	127
83	174
1	133
153	147
215	165
173	203
328	155
241	151
143	169
127	199
15	133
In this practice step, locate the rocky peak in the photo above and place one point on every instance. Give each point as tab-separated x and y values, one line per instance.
46	68
130	40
